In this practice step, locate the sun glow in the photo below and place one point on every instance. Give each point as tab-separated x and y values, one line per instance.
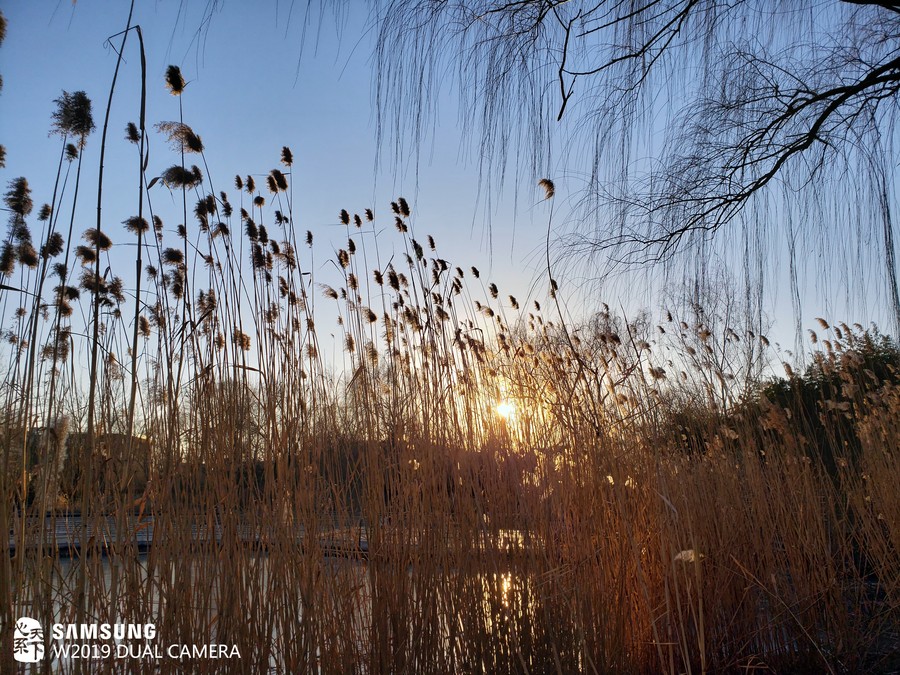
506	410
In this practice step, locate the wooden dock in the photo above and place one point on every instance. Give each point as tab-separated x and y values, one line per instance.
69	537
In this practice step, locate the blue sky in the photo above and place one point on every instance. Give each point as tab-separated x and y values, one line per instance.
254	87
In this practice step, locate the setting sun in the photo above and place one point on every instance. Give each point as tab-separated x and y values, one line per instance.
506	410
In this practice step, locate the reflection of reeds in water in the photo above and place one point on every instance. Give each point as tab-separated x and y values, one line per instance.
513	495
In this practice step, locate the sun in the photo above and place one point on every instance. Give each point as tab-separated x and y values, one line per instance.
506	410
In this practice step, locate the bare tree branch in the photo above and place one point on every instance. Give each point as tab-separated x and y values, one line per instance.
687	112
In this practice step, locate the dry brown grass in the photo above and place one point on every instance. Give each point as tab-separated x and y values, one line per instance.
625	519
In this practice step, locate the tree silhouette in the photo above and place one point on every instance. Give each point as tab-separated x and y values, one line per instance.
680	117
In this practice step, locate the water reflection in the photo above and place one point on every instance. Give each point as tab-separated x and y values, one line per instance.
295	610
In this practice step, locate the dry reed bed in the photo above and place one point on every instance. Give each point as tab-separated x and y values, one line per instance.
644	509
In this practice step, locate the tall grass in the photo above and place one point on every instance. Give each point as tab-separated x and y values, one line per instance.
643	504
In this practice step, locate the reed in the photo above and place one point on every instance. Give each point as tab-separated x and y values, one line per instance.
474	485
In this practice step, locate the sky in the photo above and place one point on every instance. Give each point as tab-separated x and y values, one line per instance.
257	81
